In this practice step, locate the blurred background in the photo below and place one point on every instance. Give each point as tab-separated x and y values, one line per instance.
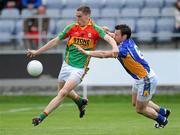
31	23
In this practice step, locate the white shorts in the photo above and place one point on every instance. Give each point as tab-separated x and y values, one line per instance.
71	73
145	88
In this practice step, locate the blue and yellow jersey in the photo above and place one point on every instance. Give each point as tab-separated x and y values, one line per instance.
132	59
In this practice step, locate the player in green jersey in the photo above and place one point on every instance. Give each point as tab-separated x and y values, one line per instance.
84	33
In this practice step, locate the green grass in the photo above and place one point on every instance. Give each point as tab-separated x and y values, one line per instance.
106	115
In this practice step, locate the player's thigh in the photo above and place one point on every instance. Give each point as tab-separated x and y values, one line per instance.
64	72
60	84
146	89
140	105
153	84
71	73
68	87
76	75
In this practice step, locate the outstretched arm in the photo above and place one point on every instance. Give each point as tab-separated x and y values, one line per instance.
50	44
112	42
97	54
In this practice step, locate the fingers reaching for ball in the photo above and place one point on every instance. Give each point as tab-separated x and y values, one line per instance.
31	53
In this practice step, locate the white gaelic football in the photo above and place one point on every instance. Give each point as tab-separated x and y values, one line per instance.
34	68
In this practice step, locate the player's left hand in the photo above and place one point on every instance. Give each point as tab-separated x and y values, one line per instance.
105	28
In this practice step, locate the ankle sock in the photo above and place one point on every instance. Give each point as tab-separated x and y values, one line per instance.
160	119
162	111
79	101
43	115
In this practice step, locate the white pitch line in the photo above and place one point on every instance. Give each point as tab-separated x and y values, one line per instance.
19	110
29	108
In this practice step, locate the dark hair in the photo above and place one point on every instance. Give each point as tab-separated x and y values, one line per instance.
177	6
85	9
125	30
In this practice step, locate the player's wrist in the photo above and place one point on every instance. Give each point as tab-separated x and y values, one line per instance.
87	52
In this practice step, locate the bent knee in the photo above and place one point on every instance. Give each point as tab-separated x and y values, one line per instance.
139	110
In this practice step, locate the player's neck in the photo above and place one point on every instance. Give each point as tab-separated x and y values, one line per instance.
85	23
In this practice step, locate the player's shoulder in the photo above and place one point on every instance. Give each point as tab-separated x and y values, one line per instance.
97	27
129	43
99	30
69	27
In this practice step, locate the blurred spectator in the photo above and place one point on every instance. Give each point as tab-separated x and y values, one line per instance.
177	16
1	4
31	4
32	29
10	4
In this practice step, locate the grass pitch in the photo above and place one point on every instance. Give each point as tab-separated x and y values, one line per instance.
105	115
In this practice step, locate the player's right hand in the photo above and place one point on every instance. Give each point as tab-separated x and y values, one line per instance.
32	53
80	49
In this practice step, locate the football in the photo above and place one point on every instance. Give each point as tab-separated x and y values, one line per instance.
34	68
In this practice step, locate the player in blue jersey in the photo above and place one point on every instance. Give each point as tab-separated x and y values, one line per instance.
145	79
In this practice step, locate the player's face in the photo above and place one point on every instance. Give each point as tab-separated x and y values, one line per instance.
118	36
81	18
178	3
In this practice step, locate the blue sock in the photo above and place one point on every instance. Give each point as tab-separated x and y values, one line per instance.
160	119
162	111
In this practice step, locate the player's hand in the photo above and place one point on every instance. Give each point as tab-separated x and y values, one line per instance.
80	49
32	53
111	34
105	28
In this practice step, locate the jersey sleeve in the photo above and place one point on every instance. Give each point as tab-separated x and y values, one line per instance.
100	31
65	33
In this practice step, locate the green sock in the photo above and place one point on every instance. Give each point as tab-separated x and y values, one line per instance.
43	115
78	102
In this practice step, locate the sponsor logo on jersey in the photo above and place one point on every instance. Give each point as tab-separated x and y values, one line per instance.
81	41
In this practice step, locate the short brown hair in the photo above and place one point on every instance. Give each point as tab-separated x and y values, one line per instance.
85	9
125	30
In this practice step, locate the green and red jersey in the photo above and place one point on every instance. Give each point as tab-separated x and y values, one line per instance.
86	37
